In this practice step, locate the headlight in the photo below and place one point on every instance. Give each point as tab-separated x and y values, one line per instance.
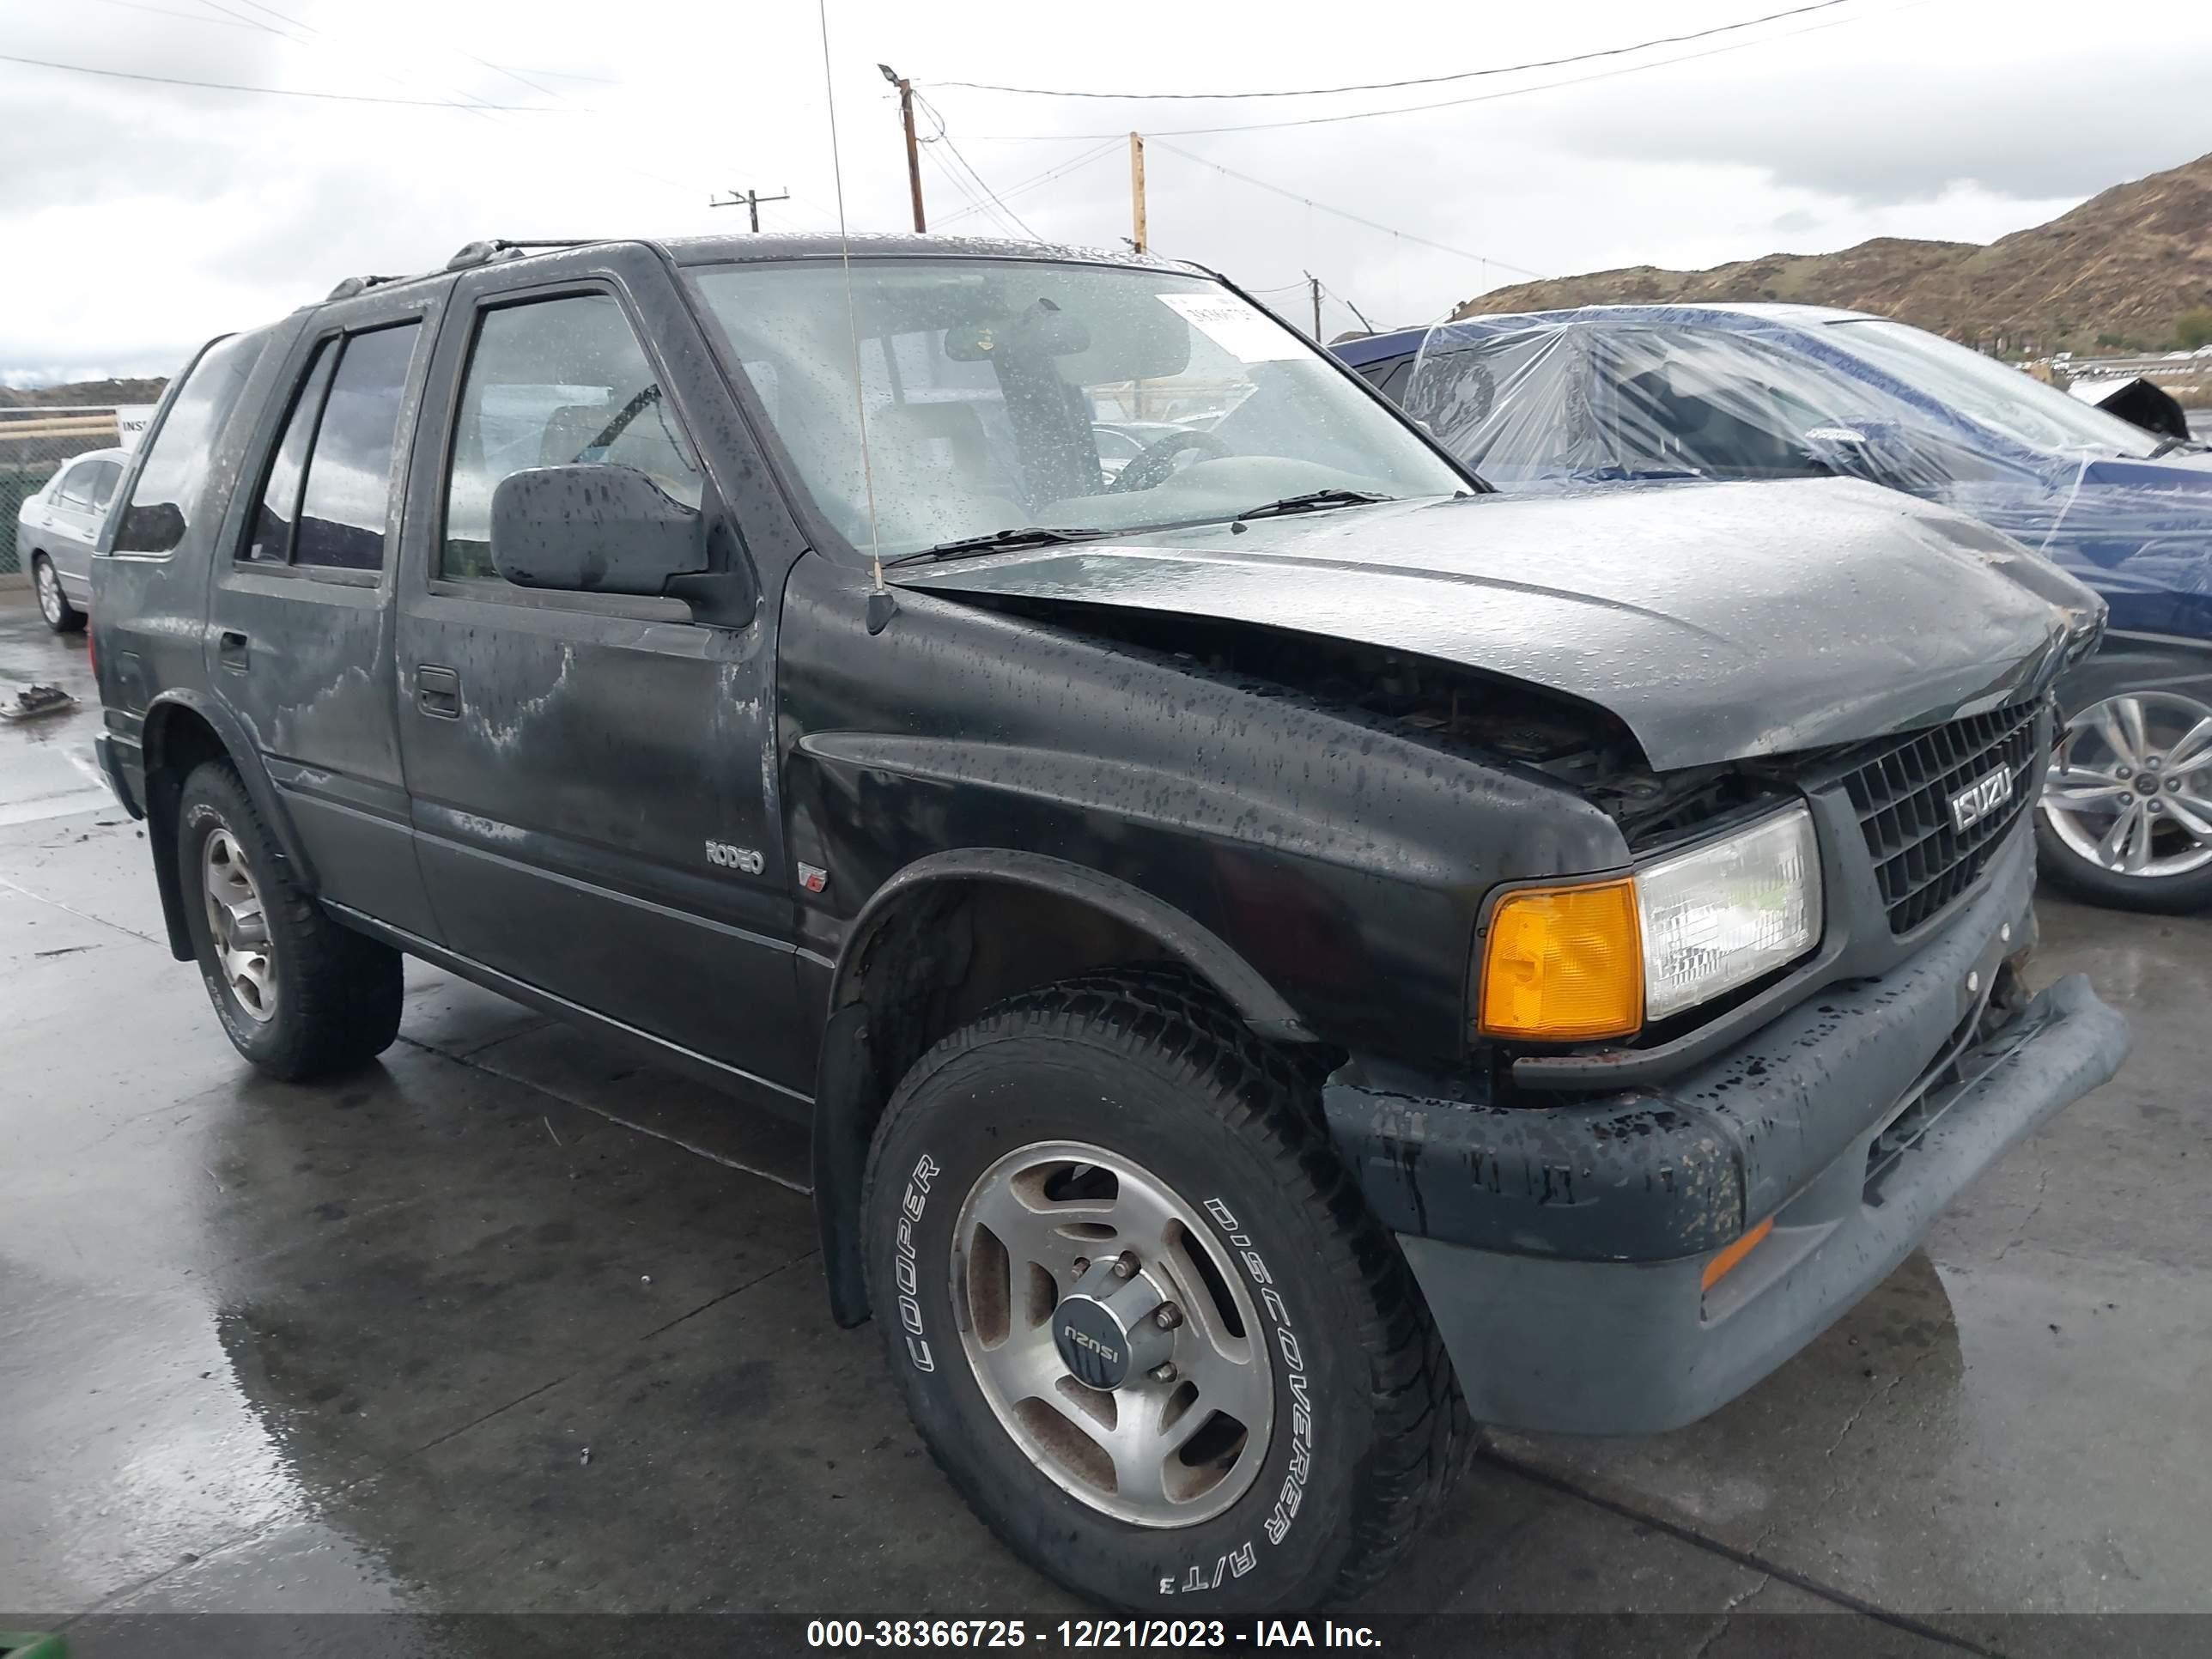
1598	959
1730	912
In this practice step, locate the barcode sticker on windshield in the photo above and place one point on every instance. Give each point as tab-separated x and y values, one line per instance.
1246	334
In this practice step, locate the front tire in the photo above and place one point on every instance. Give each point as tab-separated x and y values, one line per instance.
53	605
299	995
1043	1183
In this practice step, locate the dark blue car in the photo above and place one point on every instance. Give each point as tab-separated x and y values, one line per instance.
1623	395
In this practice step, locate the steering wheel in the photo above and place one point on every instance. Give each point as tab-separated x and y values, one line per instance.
1150	467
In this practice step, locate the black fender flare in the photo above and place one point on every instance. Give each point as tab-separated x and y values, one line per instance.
848	1094
1190	942
244	757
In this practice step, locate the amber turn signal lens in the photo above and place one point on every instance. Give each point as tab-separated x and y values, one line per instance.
1563	963
1729	1260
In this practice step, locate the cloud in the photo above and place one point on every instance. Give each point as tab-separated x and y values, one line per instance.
156	216
1910	131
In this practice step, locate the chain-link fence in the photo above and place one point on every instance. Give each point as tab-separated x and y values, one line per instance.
34	442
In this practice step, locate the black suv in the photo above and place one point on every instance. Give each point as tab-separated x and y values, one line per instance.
1284	951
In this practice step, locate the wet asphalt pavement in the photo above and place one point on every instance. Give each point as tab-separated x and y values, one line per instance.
509	1323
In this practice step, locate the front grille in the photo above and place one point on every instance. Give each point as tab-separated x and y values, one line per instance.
1903	795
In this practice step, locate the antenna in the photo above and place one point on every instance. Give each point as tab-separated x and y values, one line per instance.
879	609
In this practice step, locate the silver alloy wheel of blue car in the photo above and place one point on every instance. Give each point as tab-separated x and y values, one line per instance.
2129	789
1113	1343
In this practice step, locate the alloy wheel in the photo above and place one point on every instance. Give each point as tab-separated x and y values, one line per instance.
49	594
238	923
1111	1336
2129	789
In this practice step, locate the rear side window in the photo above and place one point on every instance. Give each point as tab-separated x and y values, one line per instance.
175	472
346	502
555	383
270	541
327	500
75	489
104	476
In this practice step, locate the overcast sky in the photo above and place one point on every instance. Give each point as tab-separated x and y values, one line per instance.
139	218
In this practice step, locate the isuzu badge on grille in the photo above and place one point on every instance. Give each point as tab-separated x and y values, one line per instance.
1980	798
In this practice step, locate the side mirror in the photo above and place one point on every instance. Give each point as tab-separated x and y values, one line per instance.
593	528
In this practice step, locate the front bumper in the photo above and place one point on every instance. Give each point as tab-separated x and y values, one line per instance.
1563	1250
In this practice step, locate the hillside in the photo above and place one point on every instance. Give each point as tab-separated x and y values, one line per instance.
2122	267
146	390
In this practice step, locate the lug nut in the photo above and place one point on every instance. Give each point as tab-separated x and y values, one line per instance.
1125	1265
1162	1372
1168	1316
1080	1266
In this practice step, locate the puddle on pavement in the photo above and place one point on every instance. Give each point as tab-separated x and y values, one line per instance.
46	766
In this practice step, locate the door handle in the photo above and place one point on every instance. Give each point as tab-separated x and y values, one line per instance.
232	649
437	692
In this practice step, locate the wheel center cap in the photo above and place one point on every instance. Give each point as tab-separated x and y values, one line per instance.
1092	1344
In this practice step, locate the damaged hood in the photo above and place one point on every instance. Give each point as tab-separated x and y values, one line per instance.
1718	622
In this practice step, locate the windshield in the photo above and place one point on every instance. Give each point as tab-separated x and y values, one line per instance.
2000	397
1002	394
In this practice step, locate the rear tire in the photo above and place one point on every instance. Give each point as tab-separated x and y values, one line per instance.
298	994
1309	1485
53	605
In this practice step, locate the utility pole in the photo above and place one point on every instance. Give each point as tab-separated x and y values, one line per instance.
1313	284
749	200
1137	190
913	145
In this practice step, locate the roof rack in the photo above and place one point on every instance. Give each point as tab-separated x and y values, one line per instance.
499	247
353	285
484	253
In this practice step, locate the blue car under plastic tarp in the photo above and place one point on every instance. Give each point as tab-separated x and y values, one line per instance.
1614	396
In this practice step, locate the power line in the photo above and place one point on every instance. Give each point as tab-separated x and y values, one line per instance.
1019	190
1356	219
321	37
997	202
1347	305
945	137
975	204
477	106
1035	180
171	11
1446	103
983	201
1419	80
270	92
232	19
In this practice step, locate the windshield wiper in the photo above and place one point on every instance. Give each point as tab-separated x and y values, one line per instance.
2167	445
1314	501
997	541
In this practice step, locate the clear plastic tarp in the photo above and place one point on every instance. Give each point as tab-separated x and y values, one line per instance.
1630	395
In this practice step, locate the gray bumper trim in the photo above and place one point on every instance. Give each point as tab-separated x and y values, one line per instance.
105	752
1637	1348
